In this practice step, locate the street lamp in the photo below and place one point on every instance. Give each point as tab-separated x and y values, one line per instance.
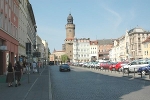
37	54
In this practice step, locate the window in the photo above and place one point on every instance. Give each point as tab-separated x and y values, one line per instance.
6	9
6	24
16	33
10	3
2	4
9	13
1	19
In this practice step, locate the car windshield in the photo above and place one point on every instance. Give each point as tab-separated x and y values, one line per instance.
65	66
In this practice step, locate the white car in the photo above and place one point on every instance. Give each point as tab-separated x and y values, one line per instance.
135	65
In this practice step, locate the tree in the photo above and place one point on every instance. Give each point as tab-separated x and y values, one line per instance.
64	58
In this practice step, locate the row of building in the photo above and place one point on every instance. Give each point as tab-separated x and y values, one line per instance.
135	44
18	34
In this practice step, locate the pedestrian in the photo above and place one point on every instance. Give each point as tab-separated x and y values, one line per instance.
27	68
18	73
24	68
34	67
10	75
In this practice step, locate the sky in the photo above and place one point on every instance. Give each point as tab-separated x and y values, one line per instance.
94	19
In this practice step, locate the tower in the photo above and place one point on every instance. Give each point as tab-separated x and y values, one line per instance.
70	33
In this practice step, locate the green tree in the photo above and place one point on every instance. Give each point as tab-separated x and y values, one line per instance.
64	58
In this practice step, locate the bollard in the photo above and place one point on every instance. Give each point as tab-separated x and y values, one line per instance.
123	71
128	71
149	75
141	74
134	72
28	74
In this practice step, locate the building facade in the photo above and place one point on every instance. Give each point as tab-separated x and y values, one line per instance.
105	46
129	47
81	50
146	48
46	52
136	37
93	50
9	14
22	30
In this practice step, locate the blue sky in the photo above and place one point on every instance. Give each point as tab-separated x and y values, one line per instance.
94	19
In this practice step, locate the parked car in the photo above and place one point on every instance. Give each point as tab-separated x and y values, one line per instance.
112	66
120	64
135	65
144	70
64	67
105	65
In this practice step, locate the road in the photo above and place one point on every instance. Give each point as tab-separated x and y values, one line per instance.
84	84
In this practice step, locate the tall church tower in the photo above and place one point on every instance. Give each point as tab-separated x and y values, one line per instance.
70	33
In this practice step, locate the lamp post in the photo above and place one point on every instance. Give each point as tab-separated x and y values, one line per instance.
38	55
28	46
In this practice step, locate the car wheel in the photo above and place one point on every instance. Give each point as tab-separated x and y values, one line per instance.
126	71
143	72
60	70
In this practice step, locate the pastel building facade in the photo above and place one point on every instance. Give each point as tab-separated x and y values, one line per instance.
9	14
81	50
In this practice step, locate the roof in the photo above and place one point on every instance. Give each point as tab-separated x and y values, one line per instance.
69	39
147	40
136	29
105	41
70	17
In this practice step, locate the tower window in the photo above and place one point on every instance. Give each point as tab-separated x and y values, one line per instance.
69	30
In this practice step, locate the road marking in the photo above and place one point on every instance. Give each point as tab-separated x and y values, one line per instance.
32	85
50	86
30	89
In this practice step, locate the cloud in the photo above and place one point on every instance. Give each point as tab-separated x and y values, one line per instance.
118	18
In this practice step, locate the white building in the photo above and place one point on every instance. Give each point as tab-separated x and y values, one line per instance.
46	50
81	50
93	50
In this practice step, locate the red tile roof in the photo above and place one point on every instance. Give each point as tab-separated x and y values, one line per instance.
147	40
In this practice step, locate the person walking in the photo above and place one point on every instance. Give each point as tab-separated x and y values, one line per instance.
18	73
24	68
27	68
10	75
34	67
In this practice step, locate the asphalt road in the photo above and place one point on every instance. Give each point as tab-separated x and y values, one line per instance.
83	84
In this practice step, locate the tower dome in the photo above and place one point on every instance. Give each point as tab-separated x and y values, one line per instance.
70	19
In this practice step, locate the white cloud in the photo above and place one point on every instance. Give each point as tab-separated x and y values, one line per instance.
117	20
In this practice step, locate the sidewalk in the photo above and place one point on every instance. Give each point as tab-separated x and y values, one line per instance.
37	88
118	74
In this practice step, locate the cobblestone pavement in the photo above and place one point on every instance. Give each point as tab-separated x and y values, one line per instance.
38	87
87	84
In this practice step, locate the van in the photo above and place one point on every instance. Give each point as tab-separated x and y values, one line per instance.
135	65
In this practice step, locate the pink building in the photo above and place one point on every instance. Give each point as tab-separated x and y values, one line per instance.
9	13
